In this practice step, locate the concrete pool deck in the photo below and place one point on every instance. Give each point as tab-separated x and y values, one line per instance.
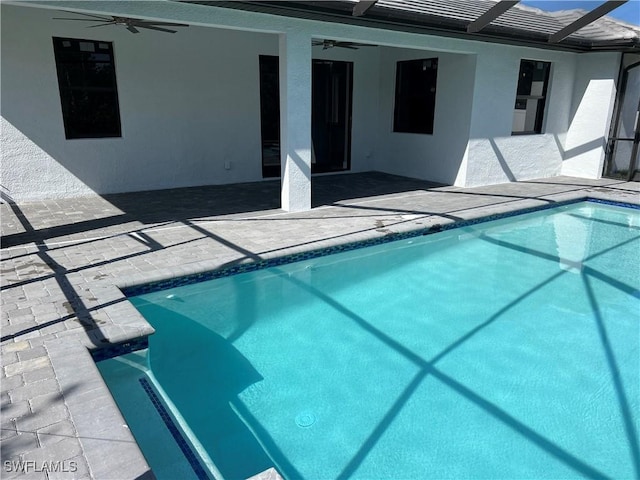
63	262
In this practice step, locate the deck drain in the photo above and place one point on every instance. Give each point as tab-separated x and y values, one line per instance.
305	419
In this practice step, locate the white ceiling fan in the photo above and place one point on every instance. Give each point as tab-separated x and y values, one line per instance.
132	24
326	44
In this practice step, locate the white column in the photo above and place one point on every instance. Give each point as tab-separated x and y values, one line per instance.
295	120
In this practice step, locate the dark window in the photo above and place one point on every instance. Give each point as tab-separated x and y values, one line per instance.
533	80
415	96
87	81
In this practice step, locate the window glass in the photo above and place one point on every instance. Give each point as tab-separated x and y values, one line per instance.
415	95
88	92
533	80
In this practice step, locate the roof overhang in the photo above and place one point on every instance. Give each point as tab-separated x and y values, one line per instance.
586	19
373	13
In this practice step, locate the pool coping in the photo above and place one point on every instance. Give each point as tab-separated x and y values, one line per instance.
107	442
251	266
75	361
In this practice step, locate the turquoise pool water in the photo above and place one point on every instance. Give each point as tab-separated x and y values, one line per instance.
507	349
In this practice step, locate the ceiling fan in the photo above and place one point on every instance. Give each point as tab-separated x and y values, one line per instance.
326	44
132	24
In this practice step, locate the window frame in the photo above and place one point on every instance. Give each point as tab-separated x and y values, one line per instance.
539	122
404	118
72	89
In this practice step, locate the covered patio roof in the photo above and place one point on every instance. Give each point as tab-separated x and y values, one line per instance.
503	21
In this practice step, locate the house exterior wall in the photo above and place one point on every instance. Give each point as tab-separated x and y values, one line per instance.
594	94
497	156
472	143
573	139
189	104
436	157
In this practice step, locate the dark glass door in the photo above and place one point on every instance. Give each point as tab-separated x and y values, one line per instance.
331	104
331	116
270	115
621	160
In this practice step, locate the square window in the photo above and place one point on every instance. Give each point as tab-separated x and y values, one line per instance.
88	92
415	96
533	80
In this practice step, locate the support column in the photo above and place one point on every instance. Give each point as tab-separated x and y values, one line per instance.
295	121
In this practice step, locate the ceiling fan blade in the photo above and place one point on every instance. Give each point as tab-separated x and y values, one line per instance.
97	17
131	24
102	24
156	28
144	23
326	44
354	44
76	19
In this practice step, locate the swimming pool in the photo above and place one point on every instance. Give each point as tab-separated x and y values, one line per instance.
507	349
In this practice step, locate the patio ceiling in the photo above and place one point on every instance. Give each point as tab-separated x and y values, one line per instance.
505	21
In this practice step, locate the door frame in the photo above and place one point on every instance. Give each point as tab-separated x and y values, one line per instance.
613	138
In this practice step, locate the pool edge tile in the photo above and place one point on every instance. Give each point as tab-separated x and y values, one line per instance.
364	239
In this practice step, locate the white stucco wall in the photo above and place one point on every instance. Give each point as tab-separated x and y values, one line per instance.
189	103
435	157
594	94
497	156
472	142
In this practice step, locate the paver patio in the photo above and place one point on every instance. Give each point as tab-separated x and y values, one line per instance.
63	261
